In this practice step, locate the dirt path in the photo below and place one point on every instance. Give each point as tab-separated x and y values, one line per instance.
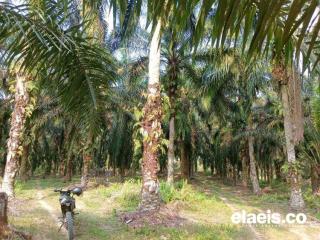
257	235
208	189
300	231
47	207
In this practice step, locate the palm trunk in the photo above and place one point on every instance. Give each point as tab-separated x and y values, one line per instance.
296	200
53	168
290	90
184	162
24	163
62	167
150	195
173	79
171	156
234	175
87	158
244	172
253	170
269	174
62	162
69	162
193	160
68	176
18	119
211	167
277	169
204	164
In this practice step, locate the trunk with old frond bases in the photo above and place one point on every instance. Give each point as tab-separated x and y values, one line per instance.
253	171
87	158
296	200
171	156
185	161
290	90
25	164
244	169
68	176
18	119
62	161
151	123
173	78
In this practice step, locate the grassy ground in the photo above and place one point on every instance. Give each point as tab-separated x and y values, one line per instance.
276	201
200	203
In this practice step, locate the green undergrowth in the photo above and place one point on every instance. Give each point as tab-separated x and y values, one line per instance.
199	204
312	202
99	210
280	194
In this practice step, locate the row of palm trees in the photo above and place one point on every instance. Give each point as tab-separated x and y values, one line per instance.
42	43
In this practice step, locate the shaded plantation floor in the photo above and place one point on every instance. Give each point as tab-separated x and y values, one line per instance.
206	204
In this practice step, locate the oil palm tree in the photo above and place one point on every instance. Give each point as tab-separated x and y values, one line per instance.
151	123
309	156
286	22
176	58
18	119
45	47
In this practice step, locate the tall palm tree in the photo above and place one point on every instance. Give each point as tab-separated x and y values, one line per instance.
261	22
252	160
290	92
176	57
18	119
150	195
75	66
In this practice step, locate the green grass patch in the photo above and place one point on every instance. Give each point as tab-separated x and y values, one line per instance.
180	191
208	217
311	200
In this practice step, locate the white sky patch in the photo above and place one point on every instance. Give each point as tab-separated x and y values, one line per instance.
17	2
108	17
313	19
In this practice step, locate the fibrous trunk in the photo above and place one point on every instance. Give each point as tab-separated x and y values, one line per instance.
18	119
69	169
244	172
277	169
290	90
3	212
296	200
150	195
62	162
25	165
193	160
185	168
85	169
171	156
234	174
253	170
